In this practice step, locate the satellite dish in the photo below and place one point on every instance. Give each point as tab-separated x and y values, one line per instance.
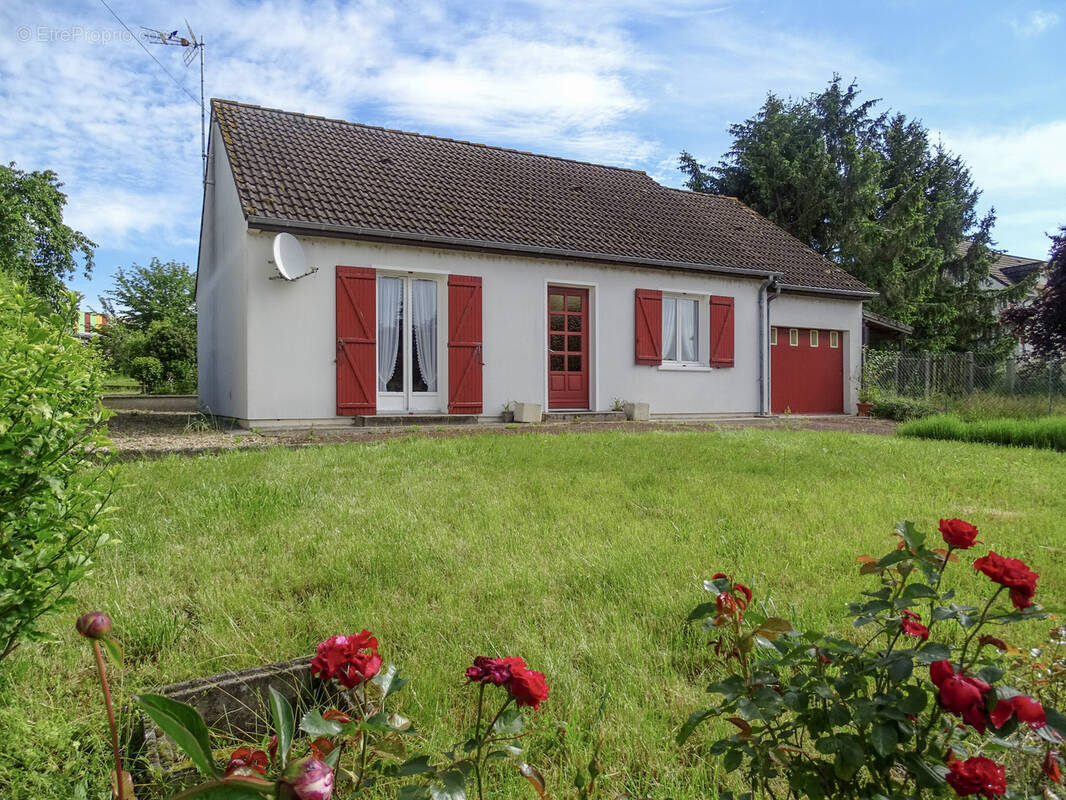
289	258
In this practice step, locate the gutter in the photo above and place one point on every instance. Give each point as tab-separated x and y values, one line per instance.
765	298
375	234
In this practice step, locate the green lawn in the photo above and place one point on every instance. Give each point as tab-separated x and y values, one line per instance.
581	553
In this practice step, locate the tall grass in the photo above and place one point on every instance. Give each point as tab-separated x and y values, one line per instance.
580	552
989	405
1045	432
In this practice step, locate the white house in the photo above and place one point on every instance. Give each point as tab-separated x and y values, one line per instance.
454	278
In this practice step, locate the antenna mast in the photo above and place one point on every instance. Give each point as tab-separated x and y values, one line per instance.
192	45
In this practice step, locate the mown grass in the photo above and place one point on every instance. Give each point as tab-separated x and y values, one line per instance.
1046	432
580	552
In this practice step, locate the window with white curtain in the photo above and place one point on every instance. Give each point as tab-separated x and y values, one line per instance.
407	335
681	329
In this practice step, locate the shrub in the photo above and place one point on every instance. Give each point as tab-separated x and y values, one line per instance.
911	708
1047	432
902	408
53	485
149	371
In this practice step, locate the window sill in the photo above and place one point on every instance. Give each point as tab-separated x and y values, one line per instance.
681	367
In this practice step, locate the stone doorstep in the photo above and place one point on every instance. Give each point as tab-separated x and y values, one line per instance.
393	420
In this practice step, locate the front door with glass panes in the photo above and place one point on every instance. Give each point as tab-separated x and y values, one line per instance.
408	345
568	347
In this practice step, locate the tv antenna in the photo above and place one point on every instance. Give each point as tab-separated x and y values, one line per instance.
192	46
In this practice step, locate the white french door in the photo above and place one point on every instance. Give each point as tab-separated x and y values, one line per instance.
408	344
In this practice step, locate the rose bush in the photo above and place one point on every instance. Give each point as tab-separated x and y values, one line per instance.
374	736
494	739
918	707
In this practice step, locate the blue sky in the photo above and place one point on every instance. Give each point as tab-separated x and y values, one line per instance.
612	81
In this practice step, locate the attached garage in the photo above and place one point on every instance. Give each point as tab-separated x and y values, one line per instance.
806	371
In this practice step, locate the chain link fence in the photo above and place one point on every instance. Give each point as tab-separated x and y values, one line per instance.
954	378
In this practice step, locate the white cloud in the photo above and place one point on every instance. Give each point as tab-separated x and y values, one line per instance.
1035	23
1014	159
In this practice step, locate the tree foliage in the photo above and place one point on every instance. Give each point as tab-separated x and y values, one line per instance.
872	193
53	486
1042	323
36	248
152	335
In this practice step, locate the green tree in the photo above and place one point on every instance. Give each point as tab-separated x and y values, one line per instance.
36	248
153	316
872	193
53	483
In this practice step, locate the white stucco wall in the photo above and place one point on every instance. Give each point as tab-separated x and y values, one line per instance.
805	311
221	295
292	340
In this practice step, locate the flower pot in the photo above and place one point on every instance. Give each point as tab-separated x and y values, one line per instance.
863	409
235	706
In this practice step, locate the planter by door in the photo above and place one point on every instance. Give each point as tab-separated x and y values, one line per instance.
568	348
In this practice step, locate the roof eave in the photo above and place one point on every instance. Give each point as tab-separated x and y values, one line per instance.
425	239
856	293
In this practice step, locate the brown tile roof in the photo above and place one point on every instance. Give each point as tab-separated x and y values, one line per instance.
318	171
1007	269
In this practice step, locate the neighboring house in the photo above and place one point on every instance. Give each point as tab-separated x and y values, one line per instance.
1008	270
456	277
88	324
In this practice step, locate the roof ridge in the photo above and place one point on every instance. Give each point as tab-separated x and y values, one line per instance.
382	128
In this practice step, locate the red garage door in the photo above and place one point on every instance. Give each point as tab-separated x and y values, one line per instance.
806	371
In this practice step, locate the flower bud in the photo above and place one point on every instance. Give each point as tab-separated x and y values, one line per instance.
94	625
306	779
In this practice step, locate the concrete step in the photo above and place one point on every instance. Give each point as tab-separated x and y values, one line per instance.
585	416
391	420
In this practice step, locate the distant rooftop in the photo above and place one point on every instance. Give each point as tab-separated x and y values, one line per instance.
372	181
1007	269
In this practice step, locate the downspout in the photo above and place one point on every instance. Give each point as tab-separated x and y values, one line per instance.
765	298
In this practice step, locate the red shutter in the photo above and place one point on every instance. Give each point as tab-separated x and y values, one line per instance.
464	344
649	325
357	302
721	331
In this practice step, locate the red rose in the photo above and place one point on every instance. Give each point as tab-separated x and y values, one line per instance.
1012	573
526	686
960	694
977	775
1026	708
1051	766
489	670
350	659
958	534
911	625
247	762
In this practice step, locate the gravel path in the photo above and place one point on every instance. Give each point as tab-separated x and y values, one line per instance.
137	434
